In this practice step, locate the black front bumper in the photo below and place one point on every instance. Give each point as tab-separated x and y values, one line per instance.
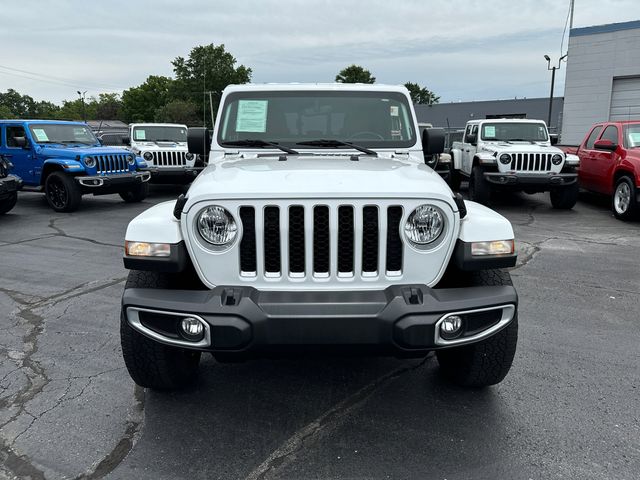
400	319
182	175
544	180
9	185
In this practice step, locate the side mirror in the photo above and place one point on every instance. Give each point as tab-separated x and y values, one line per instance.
100	141
432	141
607	145
553	139
21	142
199	140
472	139
126	141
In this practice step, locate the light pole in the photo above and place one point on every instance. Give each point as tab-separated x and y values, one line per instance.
553	79
82	95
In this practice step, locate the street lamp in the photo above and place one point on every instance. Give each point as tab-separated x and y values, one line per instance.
82	95
553	79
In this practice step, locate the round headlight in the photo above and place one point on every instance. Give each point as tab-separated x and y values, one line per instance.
189	156
424	225
556	159
147	156
217	226
131	159
505	158
90	162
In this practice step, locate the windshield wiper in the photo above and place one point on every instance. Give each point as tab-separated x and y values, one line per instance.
337	143
259	143
520	140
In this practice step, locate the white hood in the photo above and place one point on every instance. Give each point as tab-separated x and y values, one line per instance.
518	148
318	176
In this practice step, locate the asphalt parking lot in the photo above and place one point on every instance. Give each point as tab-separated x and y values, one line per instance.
570	407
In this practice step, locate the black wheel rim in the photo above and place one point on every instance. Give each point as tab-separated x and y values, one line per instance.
57	193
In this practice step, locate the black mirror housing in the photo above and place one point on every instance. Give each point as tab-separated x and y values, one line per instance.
472	139
126	141
199	140
21	142
432	141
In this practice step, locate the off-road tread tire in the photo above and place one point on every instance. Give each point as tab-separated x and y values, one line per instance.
632	211
564	198
479	190
136	194
152	364
74	193
486	362
8	203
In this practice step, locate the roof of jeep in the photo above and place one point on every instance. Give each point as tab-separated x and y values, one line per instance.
154	124
377	87
506	120
52	122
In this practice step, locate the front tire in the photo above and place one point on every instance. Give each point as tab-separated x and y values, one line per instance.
8	203
487	362
564	198
623	202
152	364
478	186
135	194
62	192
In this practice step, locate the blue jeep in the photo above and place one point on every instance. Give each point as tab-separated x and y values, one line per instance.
65	160
9	186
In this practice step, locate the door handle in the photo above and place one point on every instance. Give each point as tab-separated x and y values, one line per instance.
7	155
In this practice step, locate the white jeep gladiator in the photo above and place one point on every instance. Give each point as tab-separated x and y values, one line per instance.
164	148
514	154
317	227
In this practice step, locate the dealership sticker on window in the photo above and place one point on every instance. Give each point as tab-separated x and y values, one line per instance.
635	137
395	111
490	131
40	134
252	116
140	135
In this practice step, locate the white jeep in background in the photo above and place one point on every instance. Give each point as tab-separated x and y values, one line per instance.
318	227
514	154
164	147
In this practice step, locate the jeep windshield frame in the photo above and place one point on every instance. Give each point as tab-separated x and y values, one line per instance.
62	134
304	118
514	132
159	133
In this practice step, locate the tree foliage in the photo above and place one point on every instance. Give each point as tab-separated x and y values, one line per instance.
421	95
15	105
355	74
178	111
139	104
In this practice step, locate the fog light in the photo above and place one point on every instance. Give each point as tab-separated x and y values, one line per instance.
192	329
451	327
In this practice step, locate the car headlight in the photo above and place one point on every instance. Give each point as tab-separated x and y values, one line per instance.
131	159
189	156
148	156
217	226
89	162
505	158
556	159
424	225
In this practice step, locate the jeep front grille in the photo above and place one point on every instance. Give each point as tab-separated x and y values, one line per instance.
112	163
169	159
531	162
321	241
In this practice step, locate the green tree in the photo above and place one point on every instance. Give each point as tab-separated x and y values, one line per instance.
209	68
5	112
139	104
74	110
355	74
421	95
108	107
178	111
16	105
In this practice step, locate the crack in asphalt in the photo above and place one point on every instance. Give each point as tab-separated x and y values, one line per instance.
15	465
328	421
61	233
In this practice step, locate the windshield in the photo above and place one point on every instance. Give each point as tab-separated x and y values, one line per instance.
156	133
632	135
513	132
370	119
62	133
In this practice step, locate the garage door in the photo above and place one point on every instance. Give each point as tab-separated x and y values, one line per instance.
625	99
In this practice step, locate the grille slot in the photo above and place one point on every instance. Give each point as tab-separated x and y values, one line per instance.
531	162
370	239
394	242
321	240
296	240
169	159
345	239
112	163
248	263
272	240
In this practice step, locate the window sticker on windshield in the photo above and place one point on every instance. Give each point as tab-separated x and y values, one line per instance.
395	111
40	134
140	135
490	131
252	116
78	132
635	137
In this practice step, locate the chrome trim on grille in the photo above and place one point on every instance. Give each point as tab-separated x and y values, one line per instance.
117	163
171	158
530	162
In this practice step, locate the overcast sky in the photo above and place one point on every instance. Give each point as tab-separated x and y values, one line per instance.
461	50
